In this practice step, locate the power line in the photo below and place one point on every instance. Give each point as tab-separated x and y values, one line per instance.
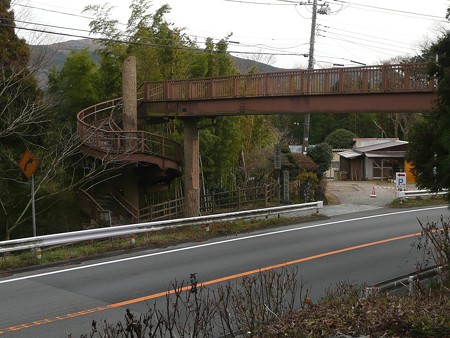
272	50
75	29
54	11
348	50
367	35
352	4
92	18
425	16
87	31
81	16
371	47
259	3
271	47
361	39
45	25
143	43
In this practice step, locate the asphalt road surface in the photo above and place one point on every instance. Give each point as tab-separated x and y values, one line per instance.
365	247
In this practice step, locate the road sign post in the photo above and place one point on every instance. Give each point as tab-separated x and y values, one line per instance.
33	210
29	165
277	164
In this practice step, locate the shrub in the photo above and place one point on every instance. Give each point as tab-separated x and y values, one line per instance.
309	184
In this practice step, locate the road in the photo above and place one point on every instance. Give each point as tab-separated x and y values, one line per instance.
365	247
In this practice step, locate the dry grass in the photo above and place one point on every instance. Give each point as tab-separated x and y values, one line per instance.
417	202
345	312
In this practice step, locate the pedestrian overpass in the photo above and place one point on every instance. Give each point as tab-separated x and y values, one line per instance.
383	89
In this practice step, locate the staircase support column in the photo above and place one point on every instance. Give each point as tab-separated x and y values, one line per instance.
191	168
129	100
129	94
130	186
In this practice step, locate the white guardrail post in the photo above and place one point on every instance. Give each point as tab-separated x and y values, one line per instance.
40	242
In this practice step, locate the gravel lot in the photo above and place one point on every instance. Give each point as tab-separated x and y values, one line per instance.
353	196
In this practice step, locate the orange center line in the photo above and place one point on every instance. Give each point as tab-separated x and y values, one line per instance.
210	282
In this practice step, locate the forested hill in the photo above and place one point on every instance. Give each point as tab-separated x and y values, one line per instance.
56	55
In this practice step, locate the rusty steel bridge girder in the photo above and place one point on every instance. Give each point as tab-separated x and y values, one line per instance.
345	103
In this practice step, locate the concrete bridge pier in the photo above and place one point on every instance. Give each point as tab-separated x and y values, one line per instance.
129	94
191	168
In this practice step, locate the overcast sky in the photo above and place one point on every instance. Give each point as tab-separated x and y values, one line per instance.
364	31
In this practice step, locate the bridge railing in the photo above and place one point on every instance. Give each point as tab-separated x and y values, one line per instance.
367	79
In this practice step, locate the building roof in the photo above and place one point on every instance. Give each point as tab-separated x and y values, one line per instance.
379	146
350	154
374	148
364	142
385	154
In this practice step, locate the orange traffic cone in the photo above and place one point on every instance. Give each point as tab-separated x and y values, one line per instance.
373	194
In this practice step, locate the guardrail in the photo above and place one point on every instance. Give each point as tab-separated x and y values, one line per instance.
408	282
40	242
418	193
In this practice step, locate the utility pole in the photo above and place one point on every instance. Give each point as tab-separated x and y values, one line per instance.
312	40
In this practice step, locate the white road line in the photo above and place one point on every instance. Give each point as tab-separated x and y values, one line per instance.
212	244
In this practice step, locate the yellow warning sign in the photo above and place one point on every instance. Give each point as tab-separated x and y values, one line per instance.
28	164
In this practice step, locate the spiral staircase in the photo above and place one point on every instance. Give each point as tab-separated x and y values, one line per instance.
153	160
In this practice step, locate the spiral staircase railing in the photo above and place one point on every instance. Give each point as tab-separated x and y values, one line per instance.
103	138
101	133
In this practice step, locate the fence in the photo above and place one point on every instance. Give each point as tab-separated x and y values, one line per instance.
210	203
237	199
165	210
213	202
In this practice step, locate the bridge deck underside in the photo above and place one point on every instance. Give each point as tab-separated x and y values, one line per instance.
313	104
162	163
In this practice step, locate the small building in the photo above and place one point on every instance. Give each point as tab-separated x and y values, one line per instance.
334	171
373	158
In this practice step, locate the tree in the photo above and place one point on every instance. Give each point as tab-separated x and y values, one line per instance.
77	84
27	121
340	139
322	155
22	108
429	141
401	123
163	52
110	75
23	116
220	147
304	163
258	166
